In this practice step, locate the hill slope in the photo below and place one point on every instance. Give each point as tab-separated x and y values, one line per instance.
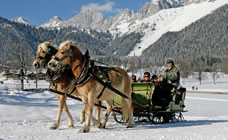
205	39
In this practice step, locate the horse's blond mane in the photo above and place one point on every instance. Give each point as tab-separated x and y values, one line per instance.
72	46
63	44
44	47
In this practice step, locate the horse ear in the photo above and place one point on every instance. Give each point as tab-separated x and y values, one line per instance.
87	54
38	43
48	43
69	43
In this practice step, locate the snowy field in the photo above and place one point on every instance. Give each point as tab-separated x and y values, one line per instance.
29	114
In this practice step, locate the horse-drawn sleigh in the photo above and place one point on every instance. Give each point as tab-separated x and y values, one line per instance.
146	109
73	74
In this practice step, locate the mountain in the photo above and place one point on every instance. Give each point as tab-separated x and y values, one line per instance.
101	45
174	19
83	38
21	20
187	2
88	18
53	22
204	40
150	8
154	19
158	24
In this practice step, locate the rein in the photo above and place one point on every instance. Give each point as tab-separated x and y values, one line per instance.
68	53
59	60
82	77
45	59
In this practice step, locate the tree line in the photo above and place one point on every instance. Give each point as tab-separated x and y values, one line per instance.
197	48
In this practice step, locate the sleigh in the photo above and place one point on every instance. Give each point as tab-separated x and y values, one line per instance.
145	110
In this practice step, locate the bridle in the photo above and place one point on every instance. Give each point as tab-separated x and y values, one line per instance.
48	55
67	53
80	79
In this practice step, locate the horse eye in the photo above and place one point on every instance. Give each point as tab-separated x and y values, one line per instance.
43	51
62	52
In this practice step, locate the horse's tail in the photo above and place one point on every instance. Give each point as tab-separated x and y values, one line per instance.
127	111
126	105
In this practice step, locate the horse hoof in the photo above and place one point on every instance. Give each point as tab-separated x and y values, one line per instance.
83	131
98	125
53	127
71	126
130	126
101	127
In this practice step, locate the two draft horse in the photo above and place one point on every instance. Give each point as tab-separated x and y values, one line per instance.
89	88
59	82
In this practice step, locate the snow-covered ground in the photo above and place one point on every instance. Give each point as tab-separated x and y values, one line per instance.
29	114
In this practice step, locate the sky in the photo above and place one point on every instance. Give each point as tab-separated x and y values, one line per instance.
38	12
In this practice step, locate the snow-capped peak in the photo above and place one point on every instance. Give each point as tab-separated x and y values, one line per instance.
21	20
53	22
154	6
87	18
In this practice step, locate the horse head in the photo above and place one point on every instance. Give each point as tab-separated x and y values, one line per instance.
43	55
67	55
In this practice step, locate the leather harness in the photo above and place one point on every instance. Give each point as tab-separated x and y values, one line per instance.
89	70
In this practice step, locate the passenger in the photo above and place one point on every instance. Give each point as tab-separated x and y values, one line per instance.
172	75
166	88
133	78
160	77
154	79
146	77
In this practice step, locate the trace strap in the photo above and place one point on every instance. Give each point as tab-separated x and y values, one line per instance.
108	86
79	99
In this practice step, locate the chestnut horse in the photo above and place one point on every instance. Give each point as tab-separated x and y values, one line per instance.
44	53
90	90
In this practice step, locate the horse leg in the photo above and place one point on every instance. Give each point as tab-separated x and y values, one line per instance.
69	117
89	110
98	111
60	109
96	122
108	111
82	115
